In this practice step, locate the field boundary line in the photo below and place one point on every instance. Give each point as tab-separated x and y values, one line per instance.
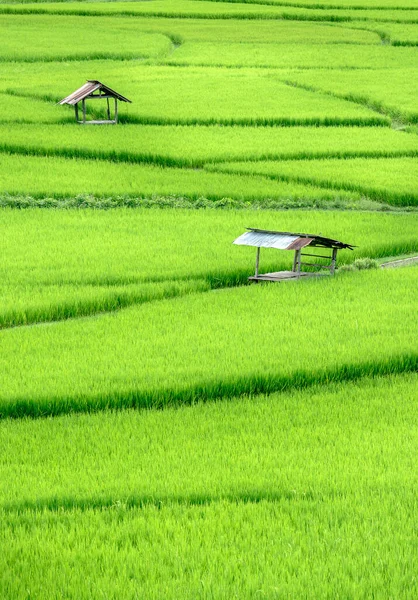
313	6
184	163
376	121
365	101
282	15
77	310
403	262
68	504
208	390
395	198
173	202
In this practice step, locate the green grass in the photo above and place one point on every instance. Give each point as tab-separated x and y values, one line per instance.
343	56
184	146
44	177
15	109
181	95
398	34
52	39
191	30
184	349
156	8
308	494
307	491
260	445
65	264
42	247
392	91
189	9
304	548
56	302
392	180
340	4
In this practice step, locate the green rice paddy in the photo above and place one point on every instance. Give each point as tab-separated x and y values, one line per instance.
167	430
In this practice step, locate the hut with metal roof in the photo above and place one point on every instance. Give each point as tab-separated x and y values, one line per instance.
284	240
94	90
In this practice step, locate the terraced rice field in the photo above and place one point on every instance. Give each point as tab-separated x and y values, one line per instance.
166	430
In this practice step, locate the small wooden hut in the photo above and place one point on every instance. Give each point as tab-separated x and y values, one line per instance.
94	90
283	240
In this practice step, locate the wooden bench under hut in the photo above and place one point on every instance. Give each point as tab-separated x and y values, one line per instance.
94	90
283	240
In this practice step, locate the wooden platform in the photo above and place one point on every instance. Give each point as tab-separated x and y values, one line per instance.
285	276
97	122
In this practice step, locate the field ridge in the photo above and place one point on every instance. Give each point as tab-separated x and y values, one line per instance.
206	391
181	163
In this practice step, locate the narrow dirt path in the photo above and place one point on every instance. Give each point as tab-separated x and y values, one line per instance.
404	262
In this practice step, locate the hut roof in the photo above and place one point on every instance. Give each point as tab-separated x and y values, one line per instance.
284	240
88	89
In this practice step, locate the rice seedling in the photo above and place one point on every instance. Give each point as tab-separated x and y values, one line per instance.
192	30
298	546
64	265
259	31
184	146
43	177
15	109
207	499
306	491
181	95
392	180
353	5
391	91
398	34
23	305
203	9
184	349
194	452
52	39
343	56
157	8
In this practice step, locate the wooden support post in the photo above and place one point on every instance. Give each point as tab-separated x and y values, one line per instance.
76	111
257	261
298	262
116	111
295	261
84	112
334	260
108	109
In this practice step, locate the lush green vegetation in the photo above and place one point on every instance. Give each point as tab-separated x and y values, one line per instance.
62	265
201	96
182	350
167	431
297	54
247	495
341	4
394	180
183	146
16	109
188	30
260	446
53	41
43	176
397	34
392	91
204	9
